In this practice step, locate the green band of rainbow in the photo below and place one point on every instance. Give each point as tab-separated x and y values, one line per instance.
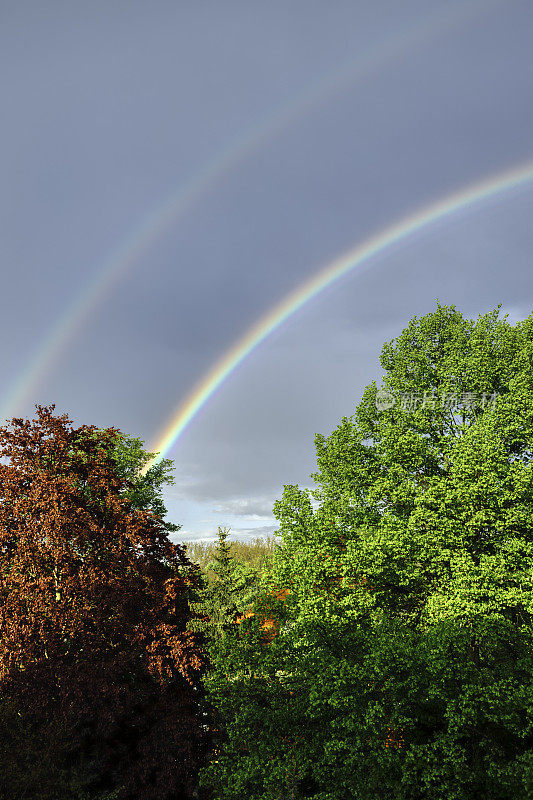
100	285
354	258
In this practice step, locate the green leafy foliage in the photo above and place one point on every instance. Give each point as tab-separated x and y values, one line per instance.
144	489
403	662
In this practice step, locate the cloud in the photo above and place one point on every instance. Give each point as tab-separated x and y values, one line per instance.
515	313
194	536
437	119
253	533
209	534
254	507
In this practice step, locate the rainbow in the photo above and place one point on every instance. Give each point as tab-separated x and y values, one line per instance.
337	269
155	223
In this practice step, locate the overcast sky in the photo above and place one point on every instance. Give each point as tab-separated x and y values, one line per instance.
291	130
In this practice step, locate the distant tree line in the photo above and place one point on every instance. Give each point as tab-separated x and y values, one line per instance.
254	552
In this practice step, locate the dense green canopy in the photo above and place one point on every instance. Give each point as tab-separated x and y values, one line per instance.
403	665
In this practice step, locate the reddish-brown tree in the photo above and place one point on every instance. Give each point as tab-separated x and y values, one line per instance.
94	609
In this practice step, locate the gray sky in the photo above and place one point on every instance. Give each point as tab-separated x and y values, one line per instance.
313	124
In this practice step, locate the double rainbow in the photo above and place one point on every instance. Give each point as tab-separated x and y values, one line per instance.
155	223
337	269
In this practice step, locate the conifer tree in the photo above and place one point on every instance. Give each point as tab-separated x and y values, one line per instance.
222	597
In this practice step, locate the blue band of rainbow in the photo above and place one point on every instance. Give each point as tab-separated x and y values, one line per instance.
337	269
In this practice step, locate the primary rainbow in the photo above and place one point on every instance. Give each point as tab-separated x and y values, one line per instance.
341	266
100	285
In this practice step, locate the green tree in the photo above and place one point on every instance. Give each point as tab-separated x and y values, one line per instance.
404	662
225	592
143	489
225	614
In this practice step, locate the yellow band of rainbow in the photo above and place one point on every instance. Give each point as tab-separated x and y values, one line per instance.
345	264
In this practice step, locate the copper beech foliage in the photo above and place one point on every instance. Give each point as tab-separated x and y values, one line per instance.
94	608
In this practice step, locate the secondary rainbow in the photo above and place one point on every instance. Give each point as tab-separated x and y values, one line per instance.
154	224
356	257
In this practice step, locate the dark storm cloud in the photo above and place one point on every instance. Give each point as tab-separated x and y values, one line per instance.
110	107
